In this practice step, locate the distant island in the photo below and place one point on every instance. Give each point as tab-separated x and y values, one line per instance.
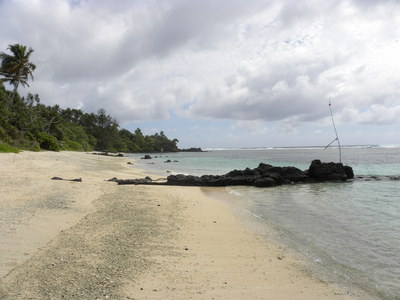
191	150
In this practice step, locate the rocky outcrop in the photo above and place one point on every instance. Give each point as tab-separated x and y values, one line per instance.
268	176
146	180
329	171
191	150
378	177
264	175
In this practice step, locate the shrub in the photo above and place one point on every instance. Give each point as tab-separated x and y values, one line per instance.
48	142
72	146
4	148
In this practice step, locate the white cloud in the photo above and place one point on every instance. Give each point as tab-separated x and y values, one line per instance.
253	127
231	60
376	114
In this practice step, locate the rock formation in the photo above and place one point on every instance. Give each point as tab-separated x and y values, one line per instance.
264	175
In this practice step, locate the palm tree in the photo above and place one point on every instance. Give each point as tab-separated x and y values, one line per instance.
16	68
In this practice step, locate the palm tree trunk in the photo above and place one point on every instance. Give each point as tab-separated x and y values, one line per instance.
12	98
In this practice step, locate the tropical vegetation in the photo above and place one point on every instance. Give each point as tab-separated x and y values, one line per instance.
16	67
26	123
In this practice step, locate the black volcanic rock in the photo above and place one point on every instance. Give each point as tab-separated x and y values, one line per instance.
191	150
329	171
349	172
267	176
146	180
293	174
265	182
264	175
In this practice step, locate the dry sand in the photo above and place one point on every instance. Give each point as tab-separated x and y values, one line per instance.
97	240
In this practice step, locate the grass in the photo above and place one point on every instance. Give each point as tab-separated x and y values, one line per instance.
4	148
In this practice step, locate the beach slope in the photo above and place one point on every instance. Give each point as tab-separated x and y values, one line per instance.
97	240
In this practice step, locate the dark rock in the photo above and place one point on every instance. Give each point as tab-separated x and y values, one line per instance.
264	168
265	182
146	180
293	174
181	179
168	161
146	157
329	171
267	176
377	178
279	180
264	175
191	150
349	172
236	177
246	172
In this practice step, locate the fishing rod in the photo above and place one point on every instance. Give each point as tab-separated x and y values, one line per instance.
337	137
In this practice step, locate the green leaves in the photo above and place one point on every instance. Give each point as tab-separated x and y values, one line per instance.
4	148
27	124
15	67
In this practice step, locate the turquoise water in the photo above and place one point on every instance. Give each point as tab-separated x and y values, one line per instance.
350	230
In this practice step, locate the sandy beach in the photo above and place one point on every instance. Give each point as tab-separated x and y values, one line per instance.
96	240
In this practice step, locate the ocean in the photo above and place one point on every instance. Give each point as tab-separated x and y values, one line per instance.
349	231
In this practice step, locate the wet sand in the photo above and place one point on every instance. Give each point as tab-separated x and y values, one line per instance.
97	240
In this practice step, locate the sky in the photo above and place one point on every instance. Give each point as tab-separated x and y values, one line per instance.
219	73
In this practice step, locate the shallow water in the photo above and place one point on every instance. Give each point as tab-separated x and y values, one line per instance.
364	161
349	229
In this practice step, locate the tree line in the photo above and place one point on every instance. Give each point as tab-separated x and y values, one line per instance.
26	123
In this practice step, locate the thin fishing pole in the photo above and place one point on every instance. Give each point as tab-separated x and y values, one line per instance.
337	137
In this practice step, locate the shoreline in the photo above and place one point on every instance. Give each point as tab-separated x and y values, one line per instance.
97	239
267	231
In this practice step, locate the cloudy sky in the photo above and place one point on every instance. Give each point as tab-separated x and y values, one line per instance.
220	73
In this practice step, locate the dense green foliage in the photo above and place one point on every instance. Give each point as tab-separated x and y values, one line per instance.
28	124
16	67
25	123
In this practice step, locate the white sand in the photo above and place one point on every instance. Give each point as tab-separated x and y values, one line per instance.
181	244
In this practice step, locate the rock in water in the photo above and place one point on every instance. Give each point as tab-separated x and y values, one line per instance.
264	175
329	171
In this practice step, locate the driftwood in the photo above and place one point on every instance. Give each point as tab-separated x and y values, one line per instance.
143	181
105	153
59	178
